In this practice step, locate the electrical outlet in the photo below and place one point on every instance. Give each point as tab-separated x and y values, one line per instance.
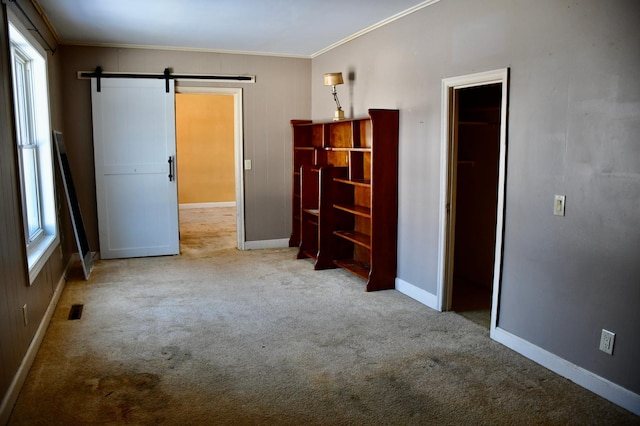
558	205
607	339
25	314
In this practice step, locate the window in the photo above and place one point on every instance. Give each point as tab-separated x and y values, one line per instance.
33	134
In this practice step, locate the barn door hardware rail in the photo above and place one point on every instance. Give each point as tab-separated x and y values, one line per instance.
98	74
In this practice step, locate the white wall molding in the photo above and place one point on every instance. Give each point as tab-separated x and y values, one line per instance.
183	49
187	206
266	244
588	380
447	202
416	293
10	398
376	26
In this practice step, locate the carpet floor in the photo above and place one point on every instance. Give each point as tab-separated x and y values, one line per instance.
216	336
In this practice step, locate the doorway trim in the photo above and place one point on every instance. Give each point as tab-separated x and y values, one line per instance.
238	148
447	197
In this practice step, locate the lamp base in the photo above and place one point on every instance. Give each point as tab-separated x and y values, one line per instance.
339	115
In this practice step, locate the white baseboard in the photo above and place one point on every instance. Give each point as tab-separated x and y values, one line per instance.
417	293
207	205
11	396
266	244
596	384
588	380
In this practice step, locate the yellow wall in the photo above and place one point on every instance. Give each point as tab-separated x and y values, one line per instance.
204	133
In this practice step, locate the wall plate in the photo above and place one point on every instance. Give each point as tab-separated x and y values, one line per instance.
607	339
558	205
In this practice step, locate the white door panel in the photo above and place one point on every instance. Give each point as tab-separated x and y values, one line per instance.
134	137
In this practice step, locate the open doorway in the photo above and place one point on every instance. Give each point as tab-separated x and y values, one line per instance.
474	145
206	126
476	198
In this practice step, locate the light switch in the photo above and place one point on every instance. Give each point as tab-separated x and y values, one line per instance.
247	164
558	205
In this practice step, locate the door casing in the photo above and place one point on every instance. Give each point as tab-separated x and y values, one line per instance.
238	149
447	184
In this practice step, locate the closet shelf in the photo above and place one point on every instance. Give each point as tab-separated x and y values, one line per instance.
354	209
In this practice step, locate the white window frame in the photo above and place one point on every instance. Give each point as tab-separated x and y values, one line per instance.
33	131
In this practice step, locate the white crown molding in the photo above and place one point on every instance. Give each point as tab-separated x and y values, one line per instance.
375	26
229	52
180	49
46	20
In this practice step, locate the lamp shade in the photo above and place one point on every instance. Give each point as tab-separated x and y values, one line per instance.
333	78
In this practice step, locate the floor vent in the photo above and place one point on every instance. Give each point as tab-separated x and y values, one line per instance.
75	313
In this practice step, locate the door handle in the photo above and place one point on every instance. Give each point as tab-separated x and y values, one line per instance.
171	170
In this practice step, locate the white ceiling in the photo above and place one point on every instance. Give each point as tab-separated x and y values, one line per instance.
274	27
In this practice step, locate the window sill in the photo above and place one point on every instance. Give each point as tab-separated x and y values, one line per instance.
40	255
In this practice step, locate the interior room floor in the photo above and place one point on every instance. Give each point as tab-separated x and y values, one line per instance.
203	230
219	336
472	301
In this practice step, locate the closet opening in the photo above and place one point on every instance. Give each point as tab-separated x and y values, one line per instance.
472	198
476	194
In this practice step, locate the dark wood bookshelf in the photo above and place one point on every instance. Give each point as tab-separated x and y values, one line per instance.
345	197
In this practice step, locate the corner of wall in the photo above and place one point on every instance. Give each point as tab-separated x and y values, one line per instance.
588	380
10	398
416	293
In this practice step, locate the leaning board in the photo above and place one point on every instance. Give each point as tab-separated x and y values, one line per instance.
74	207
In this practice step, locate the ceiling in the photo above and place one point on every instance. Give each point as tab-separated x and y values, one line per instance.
302	28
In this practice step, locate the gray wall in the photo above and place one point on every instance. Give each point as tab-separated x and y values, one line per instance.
281	92
573	129
15	291
573	126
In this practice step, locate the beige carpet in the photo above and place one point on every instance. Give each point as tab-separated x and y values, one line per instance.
221	337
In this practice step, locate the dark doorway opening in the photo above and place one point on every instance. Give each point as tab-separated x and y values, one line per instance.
477	151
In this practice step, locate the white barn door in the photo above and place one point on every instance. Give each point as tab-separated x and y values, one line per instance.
134	152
